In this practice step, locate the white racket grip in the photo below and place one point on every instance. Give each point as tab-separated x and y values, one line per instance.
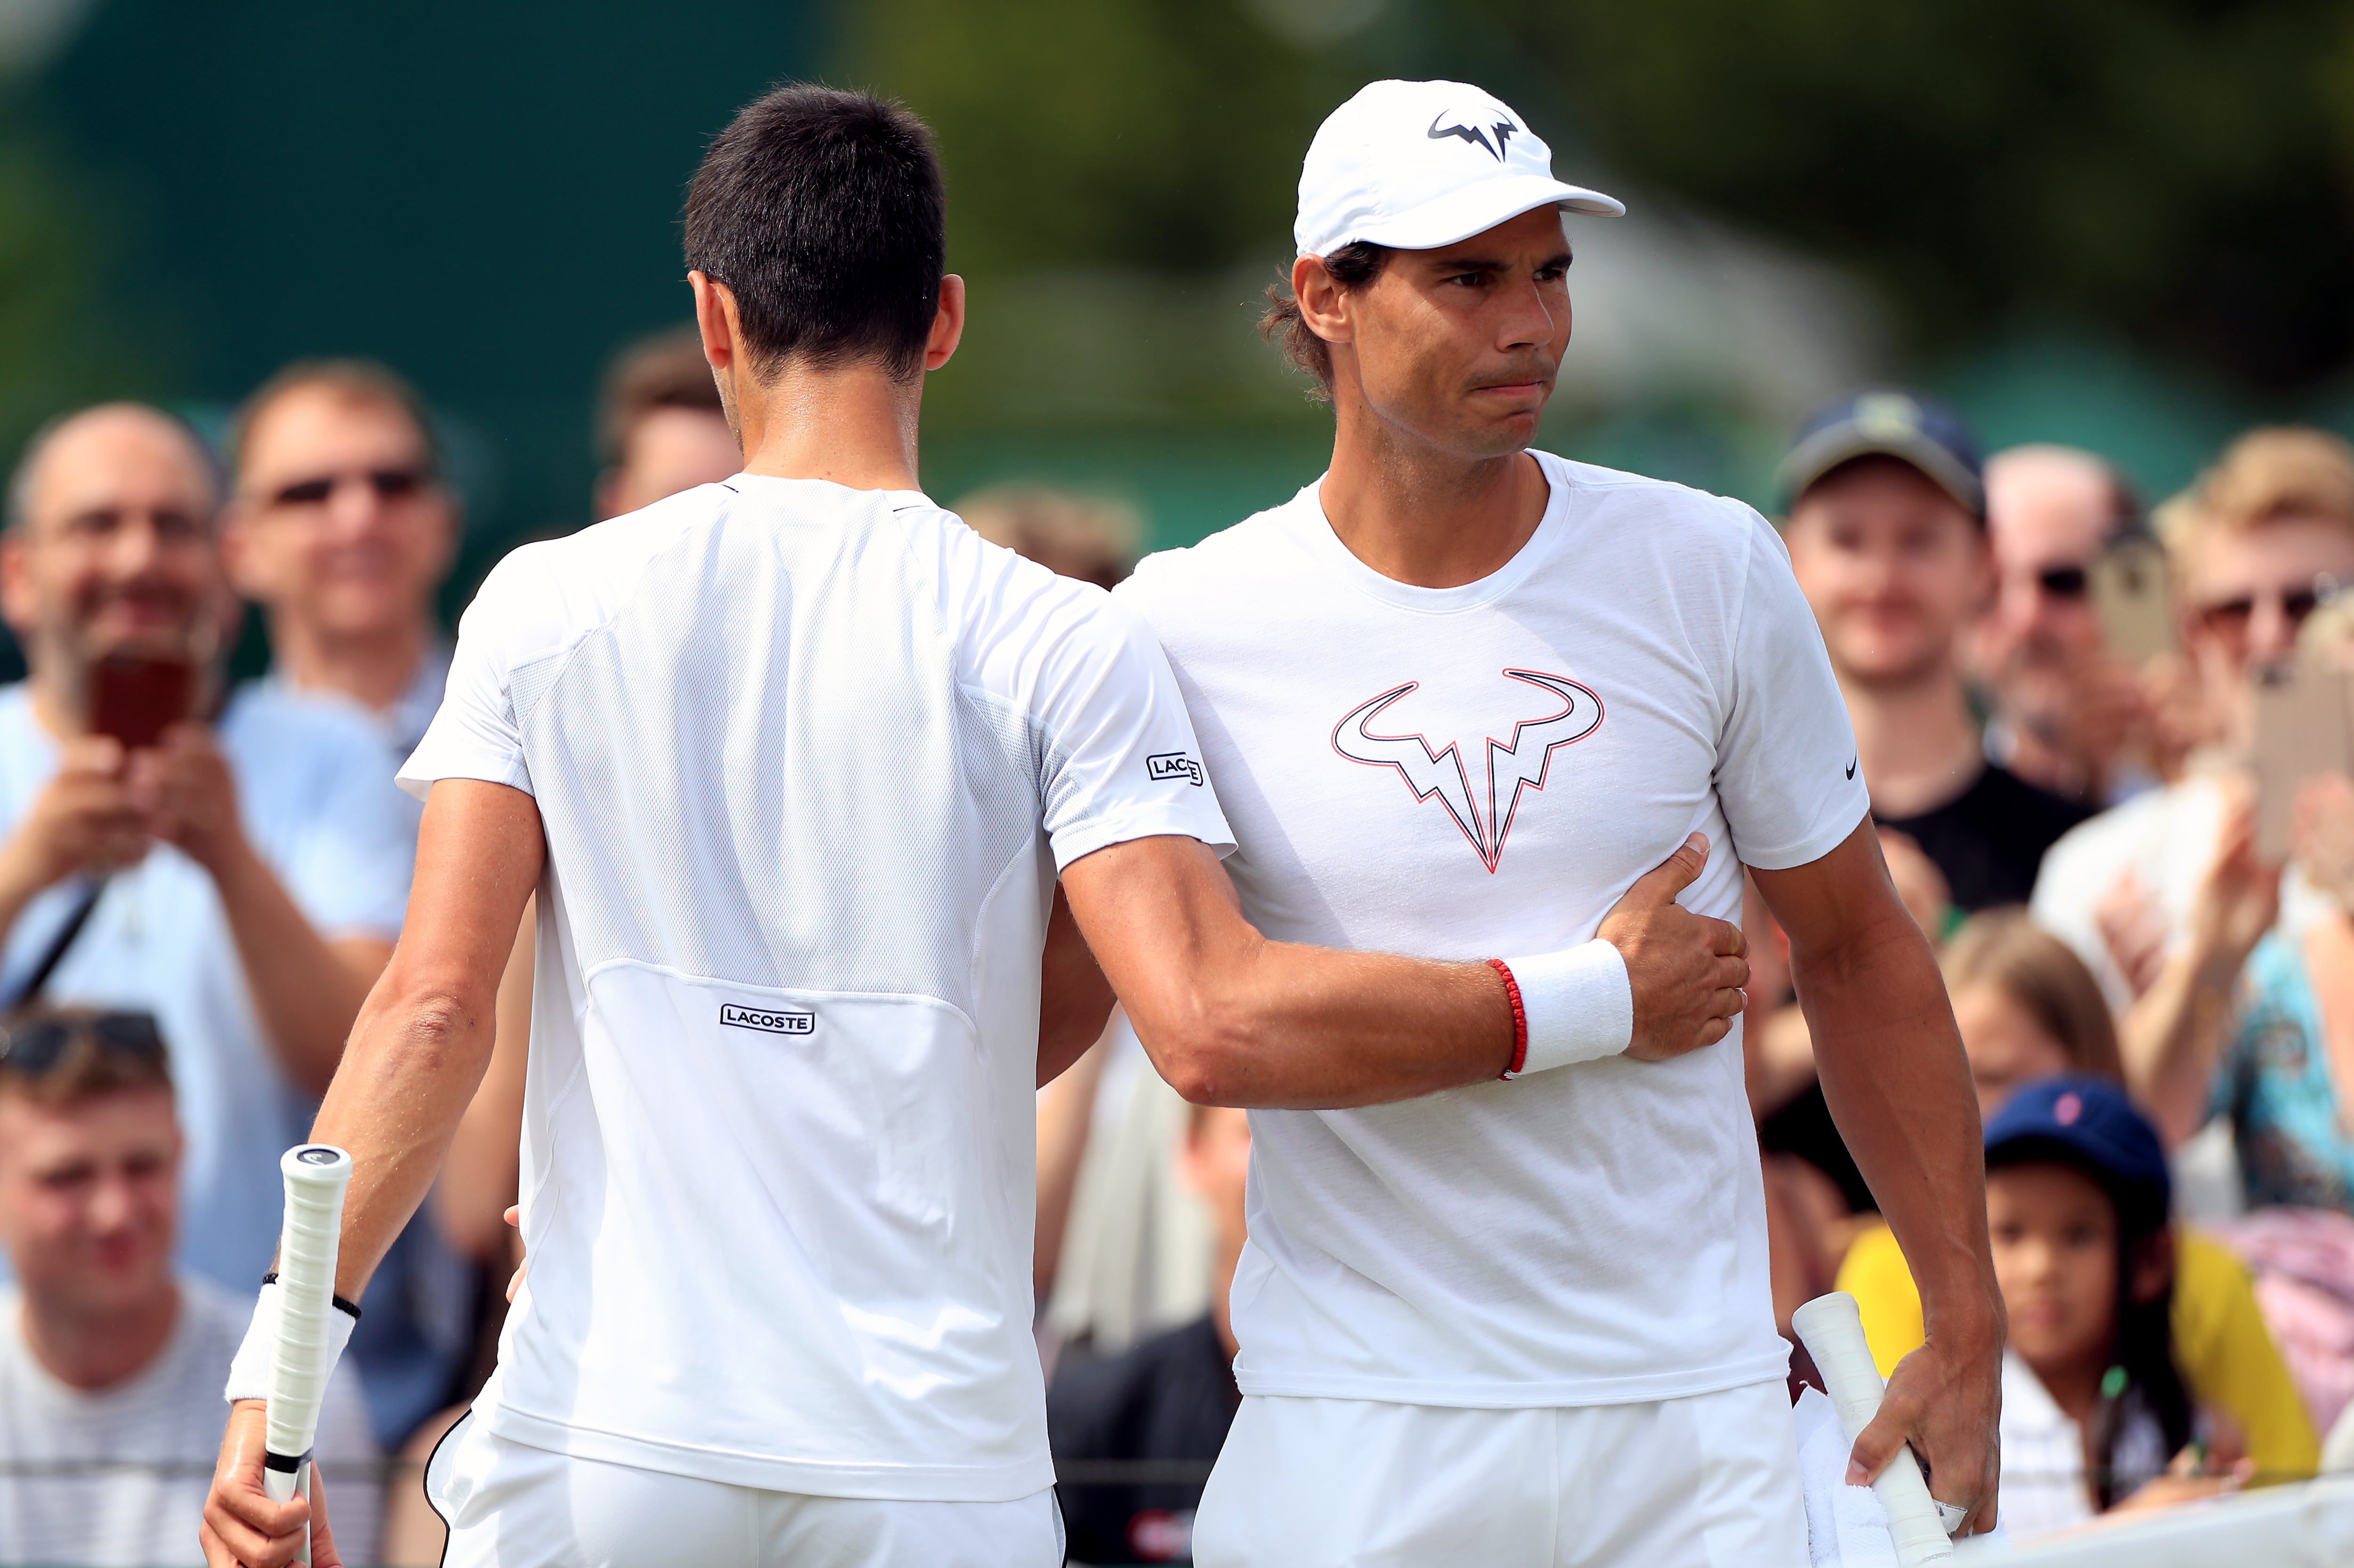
280	1485
1832	1330
316	1176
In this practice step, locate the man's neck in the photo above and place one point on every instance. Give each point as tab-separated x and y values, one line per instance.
1420	515
1915	739
374	668
854	425
91	1353
59	706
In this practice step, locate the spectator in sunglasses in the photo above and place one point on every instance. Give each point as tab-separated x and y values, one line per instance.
2165	887
2068	713
235	862
111	1363
342	528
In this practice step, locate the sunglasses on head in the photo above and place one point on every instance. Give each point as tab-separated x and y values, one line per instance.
33	1047
390	484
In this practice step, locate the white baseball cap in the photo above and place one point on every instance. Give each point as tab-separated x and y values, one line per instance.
1418	164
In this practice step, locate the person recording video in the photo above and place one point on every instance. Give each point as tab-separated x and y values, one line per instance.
238	868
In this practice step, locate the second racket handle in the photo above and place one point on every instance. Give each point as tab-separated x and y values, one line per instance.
1833	1331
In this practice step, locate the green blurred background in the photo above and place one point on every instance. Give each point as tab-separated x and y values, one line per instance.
2128	224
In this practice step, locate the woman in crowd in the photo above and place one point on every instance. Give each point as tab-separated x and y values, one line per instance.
2029	1009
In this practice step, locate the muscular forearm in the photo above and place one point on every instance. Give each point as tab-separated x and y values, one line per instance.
481	1173
415	1061
1899	1088
306	989
2170	1036
1284	1026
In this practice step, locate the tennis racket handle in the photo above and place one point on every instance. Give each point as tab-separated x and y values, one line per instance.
1832	1330
316	1176
279	1485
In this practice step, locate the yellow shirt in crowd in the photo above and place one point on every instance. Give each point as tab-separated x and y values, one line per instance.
2225	1352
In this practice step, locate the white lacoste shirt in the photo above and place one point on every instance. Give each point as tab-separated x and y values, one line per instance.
1479	771
809	759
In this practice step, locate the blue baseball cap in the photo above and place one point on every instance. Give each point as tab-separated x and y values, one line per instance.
2088	1123
1888	422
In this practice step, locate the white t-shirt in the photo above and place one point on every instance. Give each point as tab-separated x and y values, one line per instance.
317	801
2044	1488
117	1478
1481	771
807	760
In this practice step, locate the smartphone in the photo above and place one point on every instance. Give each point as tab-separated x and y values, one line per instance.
135	697
2129	594
2304	726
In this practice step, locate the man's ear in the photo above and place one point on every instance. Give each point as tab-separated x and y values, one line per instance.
948	324
716	322
17	603
235	544
1324	304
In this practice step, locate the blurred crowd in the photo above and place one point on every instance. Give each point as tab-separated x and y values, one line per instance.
2108	748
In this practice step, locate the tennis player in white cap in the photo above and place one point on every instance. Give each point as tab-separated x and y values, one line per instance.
1456	696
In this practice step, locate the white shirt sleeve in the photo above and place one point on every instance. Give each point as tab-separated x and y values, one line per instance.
1115	754
475	735
1787	772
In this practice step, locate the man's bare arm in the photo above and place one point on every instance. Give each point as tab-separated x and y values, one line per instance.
1075	1000
415	1057
424	1037
1231	1018
1899	1088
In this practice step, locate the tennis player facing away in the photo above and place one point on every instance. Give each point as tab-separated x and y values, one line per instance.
1456	697
792	761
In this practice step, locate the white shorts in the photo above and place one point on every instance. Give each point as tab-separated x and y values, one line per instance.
509	1505
1710	1482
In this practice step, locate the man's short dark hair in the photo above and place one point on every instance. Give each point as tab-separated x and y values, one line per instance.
1353	265
824	214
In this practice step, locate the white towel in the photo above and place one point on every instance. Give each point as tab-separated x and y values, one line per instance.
1845	1526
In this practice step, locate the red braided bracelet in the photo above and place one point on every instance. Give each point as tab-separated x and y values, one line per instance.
1520	1018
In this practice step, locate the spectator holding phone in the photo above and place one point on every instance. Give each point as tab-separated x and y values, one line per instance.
2068	710
2161	889
241	874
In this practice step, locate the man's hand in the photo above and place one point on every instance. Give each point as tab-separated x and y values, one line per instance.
242	1528
1686	969
84	818
185	787
1945	1401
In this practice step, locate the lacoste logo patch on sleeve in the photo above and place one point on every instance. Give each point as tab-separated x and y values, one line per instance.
1168	765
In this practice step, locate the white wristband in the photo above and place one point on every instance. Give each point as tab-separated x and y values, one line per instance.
1578	1005
249	1370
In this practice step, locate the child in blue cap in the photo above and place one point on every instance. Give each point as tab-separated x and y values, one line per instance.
2094	1408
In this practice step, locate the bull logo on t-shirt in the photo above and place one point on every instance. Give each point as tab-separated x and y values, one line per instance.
1514	766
